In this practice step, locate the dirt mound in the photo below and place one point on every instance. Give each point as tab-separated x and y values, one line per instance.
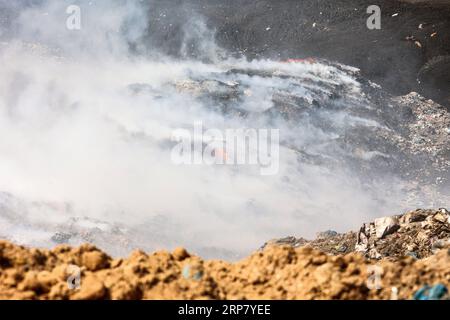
278	272
418	234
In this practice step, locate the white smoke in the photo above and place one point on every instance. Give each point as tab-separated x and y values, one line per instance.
74	137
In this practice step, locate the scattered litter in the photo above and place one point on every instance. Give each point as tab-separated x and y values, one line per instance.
437	292
417	234
413	38
394	293
192	272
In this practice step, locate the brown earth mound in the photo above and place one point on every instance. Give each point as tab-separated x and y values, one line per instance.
278	272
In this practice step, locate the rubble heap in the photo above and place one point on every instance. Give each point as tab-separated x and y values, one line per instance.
427	134
418	234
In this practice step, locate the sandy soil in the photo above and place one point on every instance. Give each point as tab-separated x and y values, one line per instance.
390	258
275	273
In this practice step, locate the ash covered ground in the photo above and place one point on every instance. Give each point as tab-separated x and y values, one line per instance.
87	120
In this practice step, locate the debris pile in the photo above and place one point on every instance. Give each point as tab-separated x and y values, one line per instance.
340	243
428	133
418	234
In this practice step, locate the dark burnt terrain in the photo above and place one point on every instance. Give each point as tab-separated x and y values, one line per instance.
409	53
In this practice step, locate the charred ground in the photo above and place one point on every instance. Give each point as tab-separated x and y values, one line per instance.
409	53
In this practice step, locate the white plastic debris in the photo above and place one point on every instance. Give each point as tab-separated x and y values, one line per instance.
385	226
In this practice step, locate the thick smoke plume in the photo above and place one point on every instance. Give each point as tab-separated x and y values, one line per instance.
79	141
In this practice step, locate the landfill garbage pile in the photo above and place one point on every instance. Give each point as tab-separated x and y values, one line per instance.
357	125
418	234
406	135
428	135
332	120
278	272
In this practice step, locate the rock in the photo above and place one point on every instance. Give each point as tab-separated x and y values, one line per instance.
38	281
61	272
46	280
180	254
92	288
30	282
59	291
125	291
95	260
11	277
